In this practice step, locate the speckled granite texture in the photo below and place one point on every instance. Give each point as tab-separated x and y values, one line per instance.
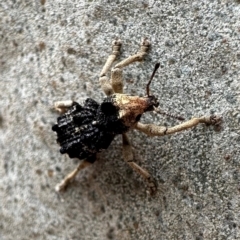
54	50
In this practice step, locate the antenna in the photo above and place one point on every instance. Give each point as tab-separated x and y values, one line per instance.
157	110
157	65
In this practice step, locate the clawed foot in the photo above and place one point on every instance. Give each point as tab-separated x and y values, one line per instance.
152	187
145	42
62	186
216	121
116	45
117	42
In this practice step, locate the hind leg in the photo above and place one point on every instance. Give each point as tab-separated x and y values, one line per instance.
62	106
71	176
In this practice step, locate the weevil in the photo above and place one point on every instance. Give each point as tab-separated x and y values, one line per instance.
84	130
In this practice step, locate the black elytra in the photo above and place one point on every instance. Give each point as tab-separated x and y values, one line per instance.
86	130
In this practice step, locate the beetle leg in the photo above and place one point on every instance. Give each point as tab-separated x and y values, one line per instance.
62	106
138	57
103	79
70	177
154	130
117	80
128	157
116	73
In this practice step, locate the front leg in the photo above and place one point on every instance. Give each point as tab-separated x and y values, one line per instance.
154	130
103	79
116	73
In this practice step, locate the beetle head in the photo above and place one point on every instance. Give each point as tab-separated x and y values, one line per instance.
131	108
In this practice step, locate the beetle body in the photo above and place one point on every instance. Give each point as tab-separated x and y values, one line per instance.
85	130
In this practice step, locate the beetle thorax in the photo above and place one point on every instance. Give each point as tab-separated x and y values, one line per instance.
131	108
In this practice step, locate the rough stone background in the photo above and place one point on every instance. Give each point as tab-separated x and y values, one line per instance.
54	50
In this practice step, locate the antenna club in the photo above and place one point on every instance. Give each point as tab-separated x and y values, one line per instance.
157	65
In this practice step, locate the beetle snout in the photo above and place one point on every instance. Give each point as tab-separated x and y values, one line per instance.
152	102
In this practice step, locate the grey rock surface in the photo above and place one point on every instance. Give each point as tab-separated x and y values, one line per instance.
54	50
